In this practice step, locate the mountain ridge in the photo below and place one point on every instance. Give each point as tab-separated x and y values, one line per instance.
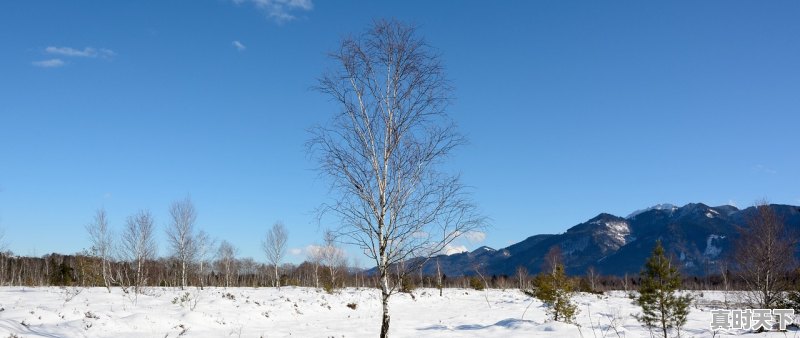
698	236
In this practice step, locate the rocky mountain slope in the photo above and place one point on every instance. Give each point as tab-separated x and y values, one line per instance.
696	235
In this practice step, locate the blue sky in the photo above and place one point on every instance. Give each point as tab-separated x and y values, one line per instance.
572	108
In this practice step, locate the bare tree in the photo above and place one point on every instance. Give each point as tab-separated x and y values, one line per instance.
522	277
204	245
592	276
138	245
226	258
274	246
552	259
333	257
181	236
439	279
102	241
764	257
382	149
314	256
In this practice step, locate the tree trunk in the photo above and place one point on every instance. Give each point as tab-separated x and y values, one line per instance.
201	275
385	297
105	274
183	273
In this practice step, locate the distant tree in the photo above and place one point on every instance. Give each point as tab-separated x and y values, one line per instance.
556	291
204	245
102	242
138	245
522	277
476	283
181	235
552	259
764	258
439	280
662	308
226	259
381	150
274	246
591	277
333	257
314	255
3	257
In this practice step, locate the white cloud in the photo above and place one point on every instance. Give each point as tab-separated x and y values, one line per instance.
87	52
454	249
239	46
296	251
312	249
475	236
280	11
51	63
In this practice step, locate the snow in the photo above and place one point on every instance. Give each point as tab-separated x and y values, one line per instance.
308	312
664	206
618	231
712	251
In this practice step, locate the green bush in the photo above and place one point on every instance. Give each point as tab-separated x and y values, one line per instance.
407	285
476	283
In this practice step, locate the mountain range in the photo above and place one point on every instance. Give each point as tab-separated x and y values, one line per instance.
697	236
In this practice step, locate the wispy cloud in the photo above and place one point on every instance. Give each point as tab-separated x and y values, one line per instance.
475	236
51	63
87	52
239	46
280	11
766	170
296	251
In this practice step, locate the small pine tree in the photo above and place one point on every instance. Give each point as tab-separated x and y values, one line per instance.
476	283
556	290
407	284
661	307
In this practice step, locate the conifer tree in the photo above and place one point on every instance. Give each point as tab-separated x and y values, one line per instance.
556	290
662	308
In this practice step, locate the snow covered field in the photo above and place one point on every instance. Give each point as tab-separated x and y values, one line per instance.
306	312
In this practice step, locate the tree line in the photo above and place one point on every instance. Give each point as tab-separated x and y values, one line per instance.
195	259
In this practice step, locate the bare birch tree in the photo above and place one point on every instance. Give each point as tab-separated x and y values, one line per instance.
764	258
226	258
333	257
181	236
274	246
102	242
314	256
383	147
139	245
204	245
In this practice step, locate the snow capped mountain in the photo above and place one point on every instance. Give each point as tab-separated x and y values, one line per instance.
664	206
696	233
